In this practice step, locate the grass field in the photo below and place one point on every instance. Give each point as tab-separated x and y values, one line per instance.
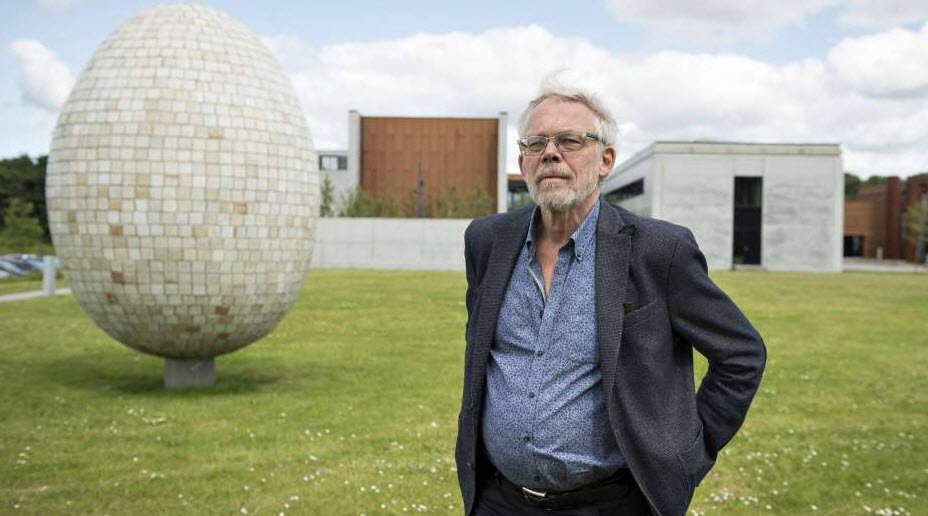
27	283
350	406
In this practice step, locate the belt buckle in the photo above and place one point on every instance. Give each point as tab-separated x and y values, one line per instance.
532	495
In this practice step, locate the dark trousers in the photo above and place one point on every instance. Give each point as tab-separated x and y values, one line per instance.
495	500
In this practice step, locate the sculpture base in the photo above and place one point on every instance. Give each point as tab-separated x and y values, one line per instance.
180	373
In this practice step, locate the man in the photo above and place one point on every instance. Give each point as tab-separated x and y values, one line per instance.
582	319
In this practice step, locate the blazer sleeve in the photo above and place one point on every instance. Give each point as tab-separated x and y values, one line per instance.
475	250
469	268
706	318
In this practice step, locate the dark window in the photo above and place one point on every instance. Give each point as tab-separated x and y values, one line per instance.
747	207
633	189
333	162
853	245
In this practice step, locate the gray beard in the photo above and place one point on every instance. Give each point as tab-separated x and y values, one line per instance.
555	203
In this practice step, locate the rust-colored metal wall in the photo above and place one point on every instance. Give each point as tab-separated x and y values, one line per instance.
451	151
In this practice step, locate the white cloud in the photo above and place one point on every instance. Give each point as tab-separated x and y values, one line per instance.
724	21
46	80
56	5
883	14
889	64
715	20
668	95
453	74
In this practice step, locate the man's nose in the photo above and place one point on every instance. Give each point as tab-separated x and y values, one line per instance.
551	153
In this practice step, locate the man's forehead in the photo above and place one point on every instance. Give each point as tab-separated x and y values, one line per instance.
560	113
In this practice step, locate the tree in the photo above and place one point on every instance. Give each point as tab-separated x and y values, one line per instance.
327	203
21	232
875	180
851	185
358	203
917	223
24	179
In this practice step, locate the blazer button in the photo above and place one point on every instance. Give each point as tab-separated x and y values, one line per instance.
470	466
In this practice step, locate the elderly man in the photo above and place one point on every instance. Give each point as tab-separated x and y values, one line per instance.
579	394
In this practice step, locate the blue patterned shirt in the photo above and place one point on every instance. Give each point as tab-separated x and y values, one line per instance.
545	424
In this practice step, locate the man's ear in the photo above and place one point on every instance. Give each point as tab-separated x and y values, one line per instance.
520	165
607	162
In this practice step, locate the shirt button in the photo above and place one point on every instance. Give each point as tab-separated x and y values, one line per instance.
537	478
531	395
526	438
540	352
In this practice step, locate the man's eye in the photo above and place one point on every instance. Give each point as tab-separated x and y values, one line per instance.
535	144
570	140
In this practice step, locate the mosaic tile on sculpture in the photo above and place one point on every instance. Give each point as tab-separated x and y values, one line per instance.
180	143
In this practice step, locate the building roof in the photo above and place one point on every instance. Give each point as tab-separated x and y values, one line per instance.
730	147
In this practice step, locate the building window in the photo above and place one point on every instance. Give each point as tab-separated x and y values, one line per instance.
633	189
333	162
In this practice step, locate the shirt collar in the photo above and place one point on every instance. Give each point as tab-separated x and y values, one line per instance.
582	238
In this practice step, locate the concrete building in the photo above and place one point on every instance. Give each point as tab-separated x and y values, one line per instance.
333	165
776	206
517	192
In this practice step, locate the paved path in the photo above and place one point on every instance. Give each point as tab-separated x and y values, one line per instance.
29	295
866	264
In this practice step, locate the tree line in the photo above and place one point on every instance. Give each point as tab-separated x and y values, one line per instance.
23	214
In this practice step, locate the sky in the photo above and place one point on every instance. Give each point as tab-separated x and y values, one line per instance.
852	72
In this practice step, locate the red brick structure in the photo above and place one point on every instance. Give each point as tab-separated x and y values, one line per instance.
877	216
915	188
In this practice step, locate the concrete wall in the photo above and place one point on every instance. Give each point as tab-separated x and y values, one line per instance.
368	243
640	166
803	213
698	193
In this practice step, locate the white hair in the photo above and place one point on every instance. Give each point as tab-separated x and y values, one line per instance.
551	87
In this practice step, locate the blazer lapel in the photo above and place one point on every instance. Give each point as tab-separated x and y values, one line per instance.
613	247
509	238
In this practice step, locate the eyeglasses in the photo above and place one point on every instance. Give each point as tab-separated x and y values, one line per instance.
565	142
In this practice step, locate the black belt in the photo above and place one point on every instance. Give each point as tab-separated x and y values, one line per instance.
608	490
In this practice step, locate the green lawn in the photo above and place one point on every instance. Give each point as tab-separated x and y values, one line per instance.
350	405
33	281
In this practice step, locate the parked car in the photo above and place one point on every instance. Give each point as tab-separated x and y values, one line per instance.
11	268
29	261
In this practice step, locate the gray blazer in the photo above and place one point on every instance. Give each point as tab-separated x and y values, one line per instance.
669	432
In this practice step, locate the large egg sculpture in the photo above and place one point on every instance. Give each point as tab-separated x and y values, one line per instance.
182	188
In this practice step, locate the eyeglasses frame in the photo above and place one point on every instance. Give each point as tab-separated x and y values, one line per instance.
586	134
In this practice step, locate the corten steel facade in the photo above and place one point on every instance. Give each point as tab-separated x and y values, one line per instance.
887	204
394	153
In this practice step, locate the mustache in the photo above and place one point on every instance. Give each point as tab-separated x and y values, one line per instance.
555	171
